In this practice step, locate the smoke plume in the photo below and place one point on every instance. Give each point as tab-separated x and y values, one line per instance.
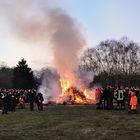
66	41
37	22
50	86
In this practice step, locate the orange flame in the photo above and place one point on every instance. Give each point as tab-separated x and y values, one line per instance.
65	84
72	95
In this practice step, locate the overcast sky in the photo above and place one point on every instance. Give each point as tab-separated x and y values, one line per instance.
98	20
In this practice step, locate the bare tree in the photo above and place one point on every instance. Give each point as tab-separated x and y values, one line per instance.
118	62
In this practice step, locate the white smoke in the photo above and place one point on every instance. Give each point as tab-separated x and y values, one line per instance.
66	41
84	77
50	86
36	21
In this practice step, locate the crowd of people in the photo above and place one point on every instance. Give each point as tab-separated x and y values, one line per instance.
10	99
121	98
108	98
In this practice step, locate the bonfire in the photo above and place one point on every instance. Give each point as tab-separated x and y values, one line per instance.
72	95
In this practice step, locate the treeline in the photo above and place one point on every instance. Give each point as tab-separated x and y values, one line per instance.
19	77
114	62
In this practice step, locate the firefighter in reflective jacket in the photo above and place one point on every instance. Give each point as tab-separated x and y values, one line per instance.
133	102
120	99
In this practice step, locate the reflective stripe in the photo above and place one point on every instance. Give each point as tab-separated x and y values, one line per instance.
120	95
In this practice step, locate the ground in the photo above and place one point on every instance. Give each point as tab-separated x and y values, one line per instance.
70	123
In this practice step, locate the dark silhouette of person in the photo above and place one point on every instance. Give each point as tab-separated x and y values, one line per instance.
32	95
5	101
39	101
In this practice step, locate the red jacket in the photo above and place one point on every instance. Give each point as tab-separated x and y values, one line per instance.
21	101
98	95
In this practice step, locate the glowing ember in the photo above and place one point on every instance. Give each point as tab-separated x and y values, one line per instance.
72	95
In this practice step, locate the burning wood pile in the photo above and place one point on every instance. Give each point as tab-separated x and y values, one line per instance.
72	95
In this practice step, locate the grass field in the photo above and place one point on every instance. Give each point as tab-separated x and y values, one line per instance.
70	123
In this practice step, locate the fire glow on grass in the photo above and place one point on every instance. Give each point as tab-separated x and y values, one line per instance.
74	95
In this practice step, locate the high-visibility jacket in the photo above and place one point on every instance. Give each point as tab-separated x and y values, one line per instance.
133	102
120	95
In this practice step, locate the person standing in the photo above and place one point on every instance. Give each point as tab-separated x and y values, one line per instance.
111	97
39	101
133	102
32	95
120	99
5	103
106	98
21	103
13	102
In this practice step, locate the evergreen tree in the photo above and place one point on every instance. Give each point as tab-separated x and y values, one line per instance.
23	76
6	76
